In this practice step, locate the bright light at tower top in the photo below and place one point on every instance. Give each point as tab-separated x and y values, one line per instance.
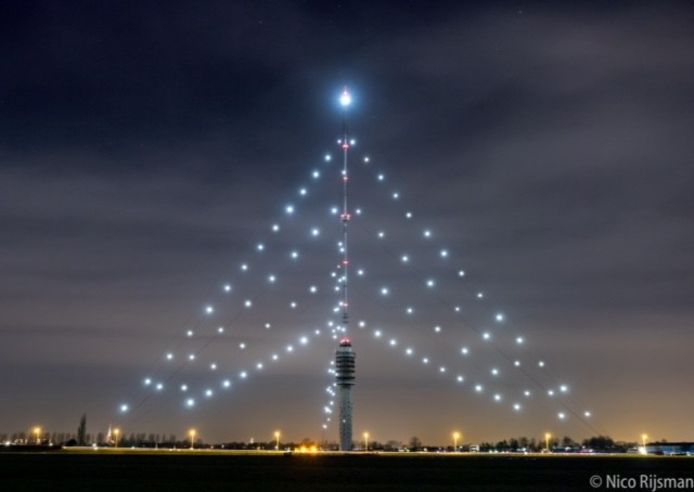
345	98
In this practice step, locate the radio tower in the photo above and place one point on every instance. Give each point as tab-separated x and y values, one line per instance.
344	356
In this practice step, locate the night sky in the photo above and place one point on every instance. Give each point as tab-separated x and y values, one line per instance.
146	147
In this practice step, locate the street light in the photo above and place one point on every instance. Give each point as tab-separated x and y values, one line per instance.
644	438
116	435
37	432
548	436
456	436
192	433
277	440
366	441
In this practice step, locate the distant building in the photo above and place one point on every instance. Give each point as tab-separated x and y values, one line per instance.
671	448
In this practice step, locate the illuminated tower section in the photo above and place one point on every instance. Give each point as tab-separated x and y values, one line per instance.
344	357
344	364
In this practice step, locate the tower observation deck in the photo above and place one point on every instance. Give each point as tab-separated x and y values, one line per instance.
344	370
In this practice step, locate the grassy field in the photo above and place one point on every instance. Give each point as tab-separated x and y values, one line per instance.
130	471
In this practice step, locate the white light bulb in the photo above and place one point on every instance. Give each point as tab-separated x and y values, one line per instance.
345	98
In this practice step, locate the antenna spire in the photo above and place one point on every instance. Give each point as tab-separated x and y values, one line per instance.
345	356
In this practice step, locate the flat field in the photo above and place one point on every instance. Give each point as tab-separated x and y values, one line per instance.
131	471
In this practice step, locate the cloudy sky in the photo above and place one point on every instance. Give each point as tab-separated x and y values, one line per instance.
146	147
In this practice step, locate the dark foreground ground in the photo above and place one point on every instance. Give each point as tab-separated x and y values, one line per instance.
131	472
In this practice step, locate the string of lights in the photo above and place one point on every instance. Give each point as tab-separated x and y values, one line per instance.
434	285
